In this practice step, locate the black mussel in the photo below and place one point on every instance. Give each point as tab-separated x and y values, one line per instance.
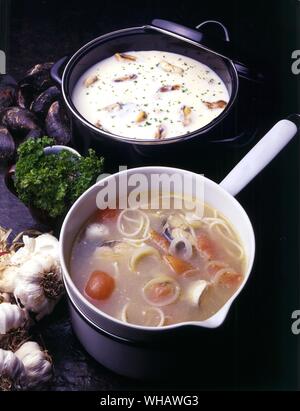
57	124
7	91
35	133
7	145
7	80
25	95
38	77
7	96
20	122
40	106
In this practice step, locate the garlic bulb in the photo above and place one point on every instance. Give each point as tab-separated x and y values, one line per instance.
39	285
11	317
10	264
14	324
37	365
33	275
44	243
12	371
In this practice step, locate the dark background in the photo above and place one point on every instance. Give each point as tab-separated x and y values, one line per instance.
256	342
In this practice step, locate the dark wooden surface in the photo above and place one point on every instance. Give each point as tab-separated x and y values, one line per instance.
256	339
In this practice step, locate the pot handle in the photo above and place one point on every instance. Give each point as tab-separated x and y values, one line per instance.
9	179
56	70
261	155
222	48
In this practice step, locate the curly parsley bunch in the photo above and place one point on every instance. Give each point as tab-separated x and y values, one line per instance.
53	182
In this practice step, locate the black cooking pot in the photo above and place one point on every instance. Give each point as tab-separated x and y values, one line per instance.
160	35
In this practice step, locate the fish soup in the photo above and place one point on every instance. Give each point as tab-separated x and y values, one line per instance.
157	267
150	95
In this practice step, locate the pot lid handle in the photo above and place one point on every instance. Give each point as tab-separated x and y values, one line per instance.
221	47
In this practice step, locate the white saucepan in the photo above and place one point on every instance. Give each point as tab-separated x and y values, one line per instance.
132	350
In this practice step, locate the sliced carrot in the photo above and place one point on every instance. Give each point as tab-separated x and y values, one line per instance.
100	285
229	278
107	214
159	240
177	264
205	245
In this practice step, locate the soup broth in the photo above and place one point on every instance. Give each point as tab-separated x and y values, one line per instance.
150	95
157	267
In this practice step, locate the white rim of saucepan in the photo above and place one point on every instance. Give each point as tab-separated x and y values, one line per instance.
212	322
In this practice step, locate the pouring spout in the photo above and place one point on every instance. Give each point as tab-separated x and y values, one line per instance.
261	154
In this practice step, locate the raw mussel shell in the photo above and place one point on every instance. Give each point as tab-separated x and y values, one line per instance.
58	124
7	145
7	80
38	77
25	95
20	122
40	106
36	80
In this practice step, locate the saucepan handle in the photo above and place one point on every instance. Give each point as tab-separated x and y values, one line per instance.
57	68
261	155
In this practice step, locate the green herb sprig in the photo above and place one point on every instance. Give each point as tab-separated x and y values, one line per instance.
52	183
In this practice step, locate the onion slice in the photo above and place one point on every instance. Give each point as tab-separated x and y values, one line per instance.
139	225
161	291
141	252
149	316
228	277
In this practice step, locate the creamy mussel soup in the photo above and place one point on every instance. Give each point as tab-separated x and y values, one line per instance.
157	267
150	95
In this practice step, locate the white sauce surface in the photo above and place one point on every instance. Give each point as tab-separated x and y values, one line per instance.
116	106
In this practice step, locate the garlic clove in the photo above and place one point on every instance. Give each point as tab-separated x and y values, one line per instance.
47	243
5	297
8	278
24	253
44	243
